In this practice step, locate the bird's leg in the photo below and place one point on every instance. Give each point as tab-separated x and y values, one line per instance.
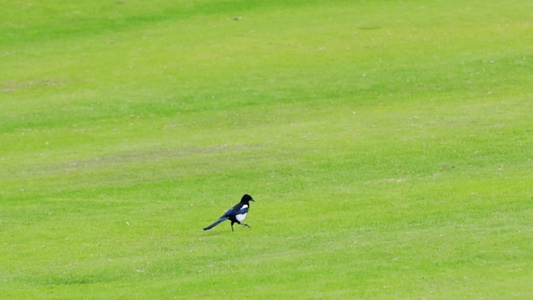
246	225
232	227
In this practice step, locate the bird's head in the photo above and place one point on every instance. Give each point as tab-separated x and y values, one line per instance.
247	198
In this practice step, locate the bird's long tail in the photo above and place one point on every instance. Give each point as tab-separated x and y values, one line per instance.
216	223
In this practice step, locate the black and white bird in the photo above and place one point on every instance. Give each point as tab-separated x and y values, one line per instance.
237	214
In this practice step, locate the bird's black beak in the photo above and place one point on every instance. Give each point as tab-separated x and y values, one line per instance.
252	199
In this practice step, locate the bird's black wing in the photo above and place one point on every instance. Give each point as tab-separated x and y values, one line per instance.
236	210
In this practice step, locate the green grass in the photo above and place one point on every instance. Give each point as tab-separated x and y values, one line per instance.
387	143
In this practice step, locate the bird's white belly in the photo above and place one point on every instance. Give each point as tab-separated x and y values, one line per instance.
240	217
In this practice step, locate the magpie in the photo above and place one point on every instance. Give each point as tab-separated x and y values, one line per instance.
237	214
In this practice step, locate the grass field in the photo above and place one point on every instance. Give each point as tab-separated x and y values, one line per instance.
388	145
